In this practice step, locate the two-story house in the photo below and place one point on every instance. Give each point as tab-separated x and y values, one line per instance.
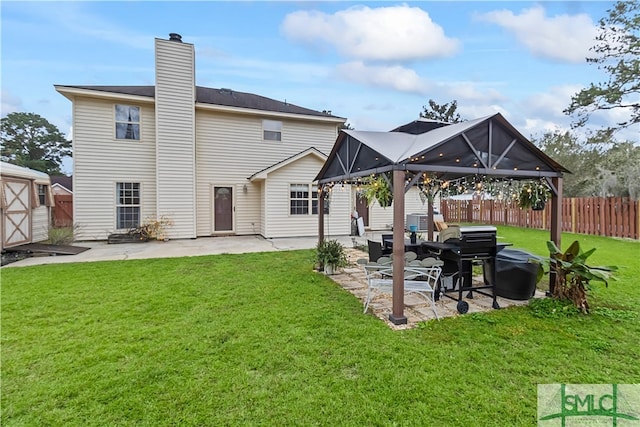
214	161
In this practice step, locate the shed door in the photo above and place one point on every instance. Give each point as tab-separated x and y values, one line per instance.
222	209
16	221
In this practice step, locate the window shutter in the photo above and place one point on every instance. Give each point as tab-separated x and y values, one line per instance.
35	200
50	200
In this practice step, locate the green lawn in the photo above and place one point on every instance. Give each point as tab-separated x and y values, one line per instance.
261	339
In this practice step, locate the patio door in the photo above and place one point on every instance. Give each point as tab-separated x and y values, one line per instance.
223	209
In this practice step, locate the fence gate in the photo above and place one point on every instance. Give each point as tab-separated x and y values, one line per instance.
16	217
63	210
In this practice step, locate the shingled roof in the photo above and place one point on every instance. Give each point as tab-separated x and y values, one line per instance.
225	97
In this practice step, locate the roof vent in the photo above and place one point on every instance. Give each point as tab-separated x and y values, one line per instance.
175	37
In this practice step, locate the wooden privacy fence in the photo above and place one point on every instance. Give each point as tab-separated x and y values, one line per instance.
610	216
63	210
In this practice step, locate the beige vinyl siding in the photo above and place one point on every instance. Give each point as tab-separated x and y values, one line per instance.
263	208
382	219
280	223
230	149
100	161
175	119
247	218
338	222
40	218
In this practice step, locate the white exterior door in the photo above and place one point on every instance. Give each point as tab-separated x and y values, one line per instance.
16	221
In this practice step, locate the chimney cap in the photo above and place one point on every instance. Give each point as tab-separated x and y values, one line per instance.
175	37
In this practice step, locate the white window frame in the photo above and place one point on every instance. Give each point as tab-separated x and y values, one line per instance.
271	130
122	203
309	196
127	122
42	195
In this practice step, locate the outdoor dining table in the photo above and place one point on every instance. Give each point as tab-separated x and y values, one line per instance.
409	246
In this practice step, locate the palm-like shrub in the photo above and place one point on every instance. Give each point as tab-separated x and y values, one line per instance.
573	275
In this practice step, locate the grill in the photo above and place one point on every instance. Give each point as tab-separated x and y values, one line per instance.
477	244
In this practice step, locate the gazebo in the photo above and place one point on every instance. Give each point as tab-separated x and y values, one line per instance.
421	151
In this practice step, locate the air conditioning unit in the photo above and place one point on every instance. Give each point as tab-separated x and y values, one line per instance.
420	221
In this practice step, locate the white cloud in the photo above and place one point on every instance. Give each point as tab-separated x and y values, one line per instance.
469	92
396	33
392	77
538	127
552	102
544	112
565	38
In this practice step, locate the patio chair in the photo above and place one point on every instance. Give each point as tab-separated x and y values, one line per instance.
449	233
375	250
417	280
386	248
410	256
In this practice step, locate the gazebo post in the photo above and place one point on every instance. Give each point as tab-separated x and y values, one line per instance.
556	223
397	316
430	219
320	214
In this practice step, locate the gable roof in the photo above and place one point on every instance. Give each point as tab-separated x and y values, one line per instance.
262	174
421	125
63	181
212	96
486	146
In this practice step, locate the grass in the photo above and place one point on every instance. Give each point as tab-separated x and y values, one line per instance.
261	339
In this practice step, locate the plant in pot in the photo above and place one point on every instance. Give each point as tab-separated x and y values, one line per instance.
573	275
376	187
330	255
534	195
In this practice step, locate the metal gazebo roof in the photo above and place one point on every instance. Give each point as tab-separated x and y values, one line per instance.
486	146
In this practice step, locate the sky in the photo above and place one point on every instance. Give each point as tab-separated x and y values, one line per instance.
377	64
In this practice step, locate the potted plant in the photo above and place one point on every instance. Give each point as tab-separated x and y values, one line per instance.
376	187
330	255
572	274
534	195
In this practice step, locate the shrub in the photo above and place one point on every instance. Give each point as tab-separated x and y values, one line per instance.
62	235
331	252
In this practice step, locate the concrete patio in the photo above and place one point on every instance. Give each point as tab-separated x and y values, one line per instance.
417	309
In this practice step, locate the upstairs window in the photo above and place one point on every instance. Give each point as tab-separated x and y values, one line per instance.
127	122
272	130
127	205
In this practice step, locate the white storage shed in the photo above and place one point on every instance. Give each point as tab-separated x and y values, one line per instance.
25	202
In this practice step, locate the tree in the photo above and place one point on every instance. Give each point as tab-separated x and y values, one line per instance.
621	163
565	148
618	54
29	140
444	113
598	169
